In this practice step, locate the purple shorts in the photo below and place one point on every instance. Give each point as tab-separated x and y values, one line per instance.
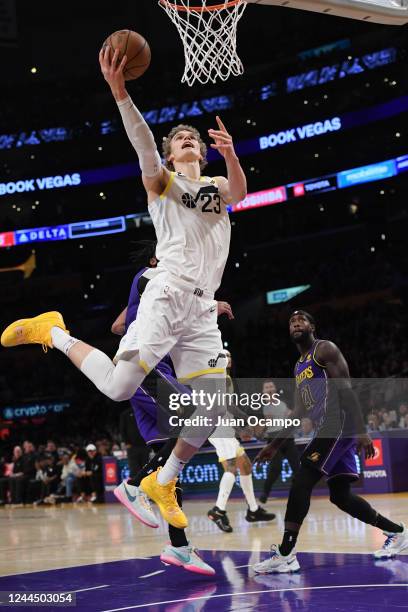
332	457
145	411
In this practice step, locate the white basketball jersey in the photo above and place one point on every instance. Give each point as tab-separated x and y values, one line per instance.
193	230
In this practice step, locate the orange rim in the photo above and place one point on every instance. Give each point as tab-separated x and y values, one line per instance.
201	9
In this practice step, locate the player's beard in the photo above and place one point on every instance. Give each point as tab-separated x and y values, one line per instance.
300	337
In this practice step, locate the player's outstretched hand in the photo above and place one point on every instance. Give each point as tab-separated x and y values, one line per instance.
365	442
269	451
223	140
225	308
112	70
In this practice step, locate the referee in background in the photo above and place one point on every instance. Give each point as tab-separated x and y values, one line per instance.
287	450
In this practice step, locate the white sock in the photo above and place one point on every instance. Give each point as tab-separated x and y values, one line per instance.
61	340
248	489
226	484
170	470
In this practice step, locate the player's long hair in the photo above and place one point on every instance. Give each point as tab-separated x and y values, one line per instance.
141	256
166	146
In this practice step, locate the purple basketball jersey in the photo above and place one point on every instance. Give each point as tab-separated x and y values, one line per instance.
329	451
134	300
143	403
311	382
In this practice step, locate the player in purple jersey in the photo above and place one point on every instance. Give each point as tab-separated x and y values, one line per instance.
324	393
146	407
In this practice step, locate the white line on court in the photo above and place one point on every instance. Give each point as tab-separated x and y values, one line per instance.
89	561
102	586
152	574
341	586
239	566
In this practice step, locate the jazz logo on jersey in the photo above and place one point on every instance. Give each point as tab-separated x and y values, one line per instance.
314	457
207	197
213	362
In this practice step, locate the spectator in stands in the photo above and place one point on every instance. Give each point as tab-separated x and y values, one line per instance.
103	447
19	483
17	471
387	422
402	414
82	484
90	481
69	475
93	469
51	448
306	429
52	476
35	485
373	423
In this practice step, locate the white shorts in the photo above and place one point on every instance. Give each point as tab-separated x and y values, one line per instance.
226	448
171	319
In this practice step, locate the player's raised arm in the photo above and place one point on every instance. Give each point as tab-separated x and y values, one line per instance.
139	133
331	357
233	189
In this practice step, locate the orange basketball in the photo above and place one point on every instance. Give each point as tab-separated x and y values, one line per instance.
136	49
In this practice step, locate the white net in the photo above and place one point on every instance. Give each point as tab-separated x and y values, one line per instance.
209	36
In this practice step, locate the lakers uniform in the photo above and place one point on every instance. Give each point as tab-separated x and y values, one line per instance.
330	451
177	313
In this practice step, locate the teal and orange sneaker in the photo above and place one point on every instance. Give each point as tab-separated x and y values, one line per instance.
187	557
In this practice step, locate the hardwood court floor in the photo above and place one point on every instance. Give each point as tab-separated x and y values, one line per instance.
46	538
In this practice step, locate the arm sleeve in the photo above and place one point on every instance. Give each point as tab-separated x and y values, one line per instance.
141	138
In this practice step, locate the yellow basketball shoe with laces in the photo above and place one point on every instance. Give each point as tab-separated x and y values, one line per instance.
165	498
33	331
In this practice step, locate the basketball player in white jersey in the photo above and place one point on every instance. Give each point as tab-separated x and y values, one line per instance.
177	313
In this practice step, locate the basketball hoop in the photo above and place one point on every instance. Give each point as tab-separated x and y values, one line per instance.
209	36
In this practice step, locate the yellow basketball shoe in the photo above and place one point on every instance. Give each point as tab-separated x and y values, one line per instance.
165	498
33	331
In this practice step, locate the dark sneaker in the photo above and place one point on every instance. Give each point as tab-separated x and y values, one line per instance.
220	518
260	514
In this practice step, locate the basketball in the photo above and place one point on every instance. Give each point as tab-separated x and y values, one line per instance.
135	47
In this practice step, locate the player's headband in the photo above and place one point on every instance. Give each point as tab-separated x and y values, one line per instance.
305	314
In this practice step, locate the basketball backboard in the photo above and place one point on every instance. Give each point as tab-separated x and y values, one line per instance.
390	12
208	28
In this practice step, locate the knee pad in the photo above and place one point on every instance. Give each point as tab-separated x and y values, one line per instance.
122	382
